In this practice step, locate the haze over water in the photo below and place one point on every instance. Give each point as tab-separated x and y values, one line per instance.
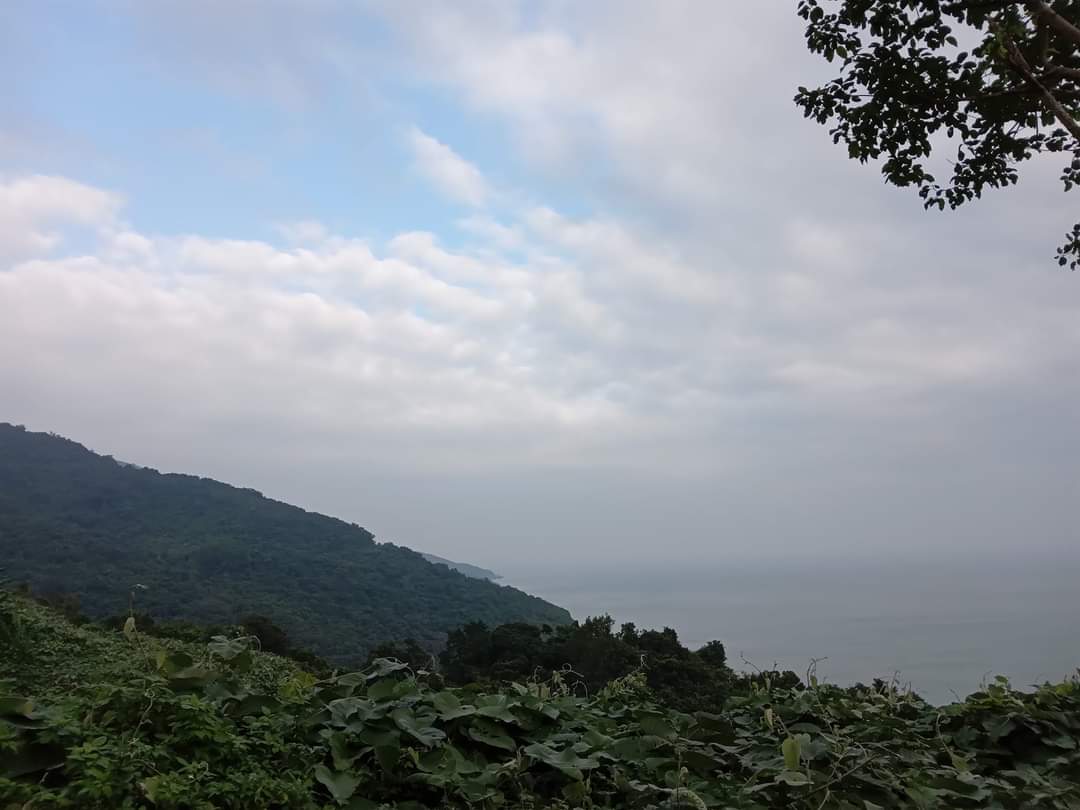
943	628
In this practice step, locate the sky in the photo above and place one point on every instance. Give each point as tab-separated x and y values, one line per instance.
523	283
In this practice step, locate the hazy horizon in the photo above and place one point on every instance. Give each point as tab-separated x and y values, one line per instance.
524	284
942	627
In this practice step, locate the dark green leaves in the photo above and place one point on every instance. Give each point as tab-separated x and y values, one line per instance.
419	727
366	741
566	760
340	784
489	733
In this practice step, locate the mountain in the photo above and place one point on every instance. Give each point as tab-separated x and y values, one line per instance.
73	521
474	571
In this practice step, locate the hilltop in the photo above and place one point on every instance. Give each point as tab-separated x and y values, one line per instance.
76	522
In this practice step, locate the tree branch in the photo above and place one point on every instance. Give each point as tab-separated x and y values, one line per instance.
1041	12
1020	64
978	5
1061	71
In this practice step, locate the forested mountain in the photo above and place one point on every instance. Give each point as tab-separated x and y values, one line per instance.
73	521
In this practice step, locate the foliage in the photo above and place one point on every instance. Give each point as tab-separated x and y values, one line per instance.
181	732
587	656
1000	79
56	657
73	522
268	636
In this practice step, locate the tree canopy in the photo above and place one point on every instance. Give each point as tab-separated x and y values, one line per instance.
999	78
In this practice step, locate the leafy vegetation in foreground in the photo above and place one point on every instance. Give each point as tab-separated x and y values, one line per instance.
75	522
175	727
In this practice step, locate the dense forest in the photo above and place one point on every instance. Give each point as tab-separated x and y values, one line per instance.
589	655
96	718
84	525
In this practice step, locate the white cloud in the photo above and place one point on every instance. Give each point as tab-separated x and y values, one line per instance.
447	170
35	209
595	329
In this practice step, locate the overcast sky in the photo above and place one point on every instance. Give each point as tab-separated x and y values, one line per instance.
523	282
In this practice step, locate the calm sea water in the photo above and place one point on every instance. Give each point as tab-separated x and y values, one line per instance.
941	628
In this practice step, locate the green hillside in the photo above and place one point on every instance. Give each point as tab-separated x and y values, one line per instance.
72	521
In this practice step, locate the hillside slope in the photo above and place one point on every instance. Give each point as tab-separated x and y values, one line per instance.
72	521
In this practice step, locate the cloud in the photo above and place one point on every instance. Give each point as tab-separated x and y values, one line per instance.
695	327
450	173
591	329
35	209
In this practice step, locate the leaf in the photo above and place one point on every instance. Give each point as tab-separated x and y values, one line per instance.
657	726
791	748
497	712
352	679
344	709
340	784
243	662
700	762
445	702
461	711
190	677
419	728
382	690
1062	741
150	786
171	663
566	761
388	756
718	730
383	667
794	778
339	750
627	748
595	739
376	737
491	734
256	704
575	792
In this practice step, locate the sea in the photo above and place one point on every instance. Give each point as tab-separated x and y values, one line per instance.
940	628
